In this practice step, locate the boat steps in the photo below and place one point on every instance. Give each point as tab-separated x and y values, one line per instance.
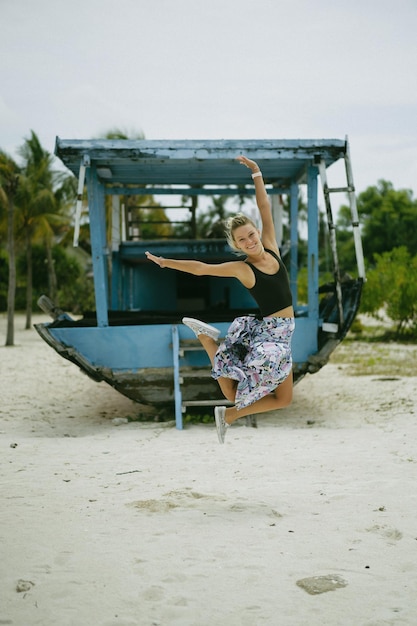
179	348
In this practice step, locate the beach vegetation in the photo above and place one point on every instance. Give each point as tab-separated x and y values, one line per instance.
43	201
9	183
391	288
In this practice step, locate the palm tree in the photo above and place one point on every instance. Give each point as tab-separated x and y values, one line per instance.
65	193
211	223
9	181
35	198
43	201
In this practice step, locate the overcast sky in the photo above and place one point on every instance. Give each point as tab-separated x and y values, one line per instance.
213	69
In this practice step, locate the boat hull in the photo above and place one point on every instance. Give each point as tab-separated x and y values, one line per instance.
137	359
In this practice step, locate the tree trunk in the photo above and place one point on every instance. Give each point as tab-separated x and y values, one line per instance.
11	290
52	282
29	285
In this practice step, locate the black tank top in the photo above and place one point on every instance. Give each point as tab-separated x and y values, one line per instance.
271	291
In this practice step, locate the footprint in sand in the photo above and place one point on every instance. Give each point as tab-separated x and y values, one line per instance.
188	499
321	584
387	532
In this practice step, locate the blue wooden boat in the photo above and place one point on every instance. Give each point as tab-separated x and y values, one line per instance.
134	340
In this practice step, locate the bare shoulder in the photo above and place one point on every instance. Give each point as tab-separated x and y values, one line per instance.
271	244
244	274
234	269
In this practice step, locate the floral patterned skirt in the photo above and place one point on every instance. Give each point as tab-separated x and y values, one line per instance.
257	354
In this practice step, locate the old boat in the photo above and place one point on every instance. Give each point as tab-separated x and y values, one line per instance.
134	340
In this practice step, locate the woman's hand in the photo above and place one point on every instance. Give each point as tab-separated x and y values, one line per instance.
156	259
252	165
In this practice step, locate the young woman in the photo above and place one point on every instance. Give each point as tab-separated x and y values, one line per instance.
253	365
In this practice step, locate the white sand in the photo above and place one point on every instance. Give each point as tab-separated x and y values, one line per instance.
141	524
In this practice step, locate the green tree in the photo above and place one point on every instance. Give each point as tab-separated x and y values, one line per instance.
9	182
56	225
75	292
35	200
210	223
392	285
388	218
43	200
120	133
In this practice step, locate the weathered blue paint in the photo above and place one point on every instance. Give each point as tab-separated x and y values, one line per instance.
196	162
99	249
177	378
130	348
120	348
294	241
190	191
312	244
116	283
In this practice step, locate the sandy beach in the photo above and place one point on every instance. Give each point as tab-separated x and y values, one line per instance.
308	520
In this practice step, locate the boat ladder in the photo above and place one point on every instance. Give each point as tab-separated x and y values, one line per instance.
179	348
350	190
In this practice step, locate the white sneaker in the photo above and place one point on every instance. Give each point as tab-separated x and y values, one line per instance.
221	424
201	328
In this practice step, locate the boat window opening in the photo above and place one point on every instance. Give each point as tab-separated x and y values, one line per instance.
193	292
145	221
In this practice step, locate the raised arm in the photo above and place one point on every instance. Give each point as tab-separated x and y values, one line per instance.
263	203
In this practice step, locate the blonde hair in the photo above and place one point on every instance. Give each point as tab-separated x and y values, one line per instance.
234	222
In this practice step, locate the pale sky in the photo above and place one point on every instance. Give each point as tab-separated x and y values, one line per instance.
214	69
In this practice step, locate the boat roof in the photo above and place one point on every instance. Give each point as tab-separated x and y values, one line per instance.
197	163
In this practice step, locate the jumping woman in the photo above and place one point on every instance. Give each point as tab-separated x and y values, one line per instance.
253	364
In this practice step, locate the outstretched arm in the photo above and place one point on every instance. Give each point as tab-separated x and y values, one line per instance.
233	269
190	267
264	206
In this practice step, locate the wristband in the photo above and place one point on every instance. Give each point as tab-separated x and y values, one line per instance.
256	174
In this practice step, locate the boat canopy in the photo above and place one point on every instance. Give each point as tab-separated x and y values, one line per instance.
196	163
206	167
